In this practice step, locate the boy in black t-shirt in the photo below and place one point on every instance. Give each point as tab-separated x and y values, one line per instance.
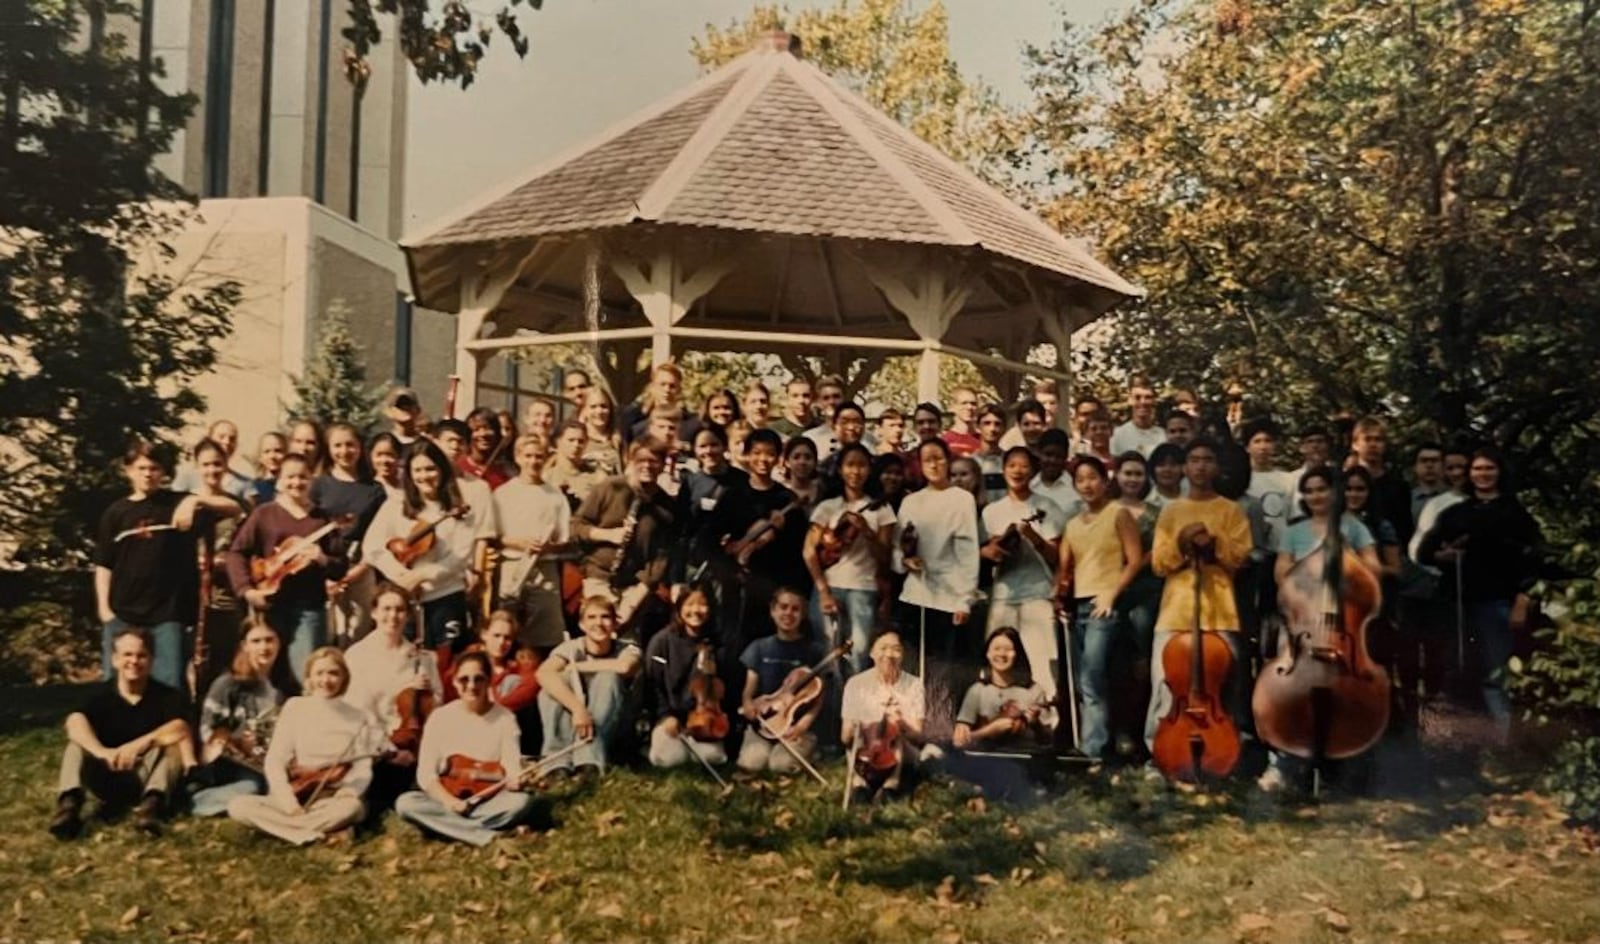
129	744
768	661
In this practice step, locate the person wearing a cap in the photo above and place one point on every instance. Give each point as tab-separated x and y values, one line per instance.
405	412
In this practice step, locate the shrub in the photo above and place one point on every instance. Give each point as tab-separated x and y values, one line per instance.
1575	780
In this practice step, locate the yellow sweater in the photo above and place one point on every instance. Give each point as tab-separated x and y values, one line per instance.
1231	531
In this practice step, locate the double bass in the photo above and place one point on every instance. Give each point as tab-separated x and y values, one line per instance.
1322	697
1197	736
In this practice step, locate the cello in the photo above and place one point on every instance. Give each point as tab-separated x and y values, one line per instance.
1197	736
1322	697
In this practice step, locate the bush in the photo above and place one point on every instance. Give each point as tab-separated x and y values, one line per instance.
1575	780
1560	681
42	642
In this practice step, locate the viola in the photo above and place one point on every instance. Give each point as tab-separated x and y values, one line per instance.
291	557
1322	696
1198	735
410	549
777	713
838	540
707	721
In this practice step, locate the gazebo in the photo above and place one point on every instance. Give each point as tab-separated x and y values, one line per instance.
762	208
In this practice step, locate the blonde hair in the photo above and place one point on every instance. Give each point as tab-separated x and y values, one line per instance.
335	655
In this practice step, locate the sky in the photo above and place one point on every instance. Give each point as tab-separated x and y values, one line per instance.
592	63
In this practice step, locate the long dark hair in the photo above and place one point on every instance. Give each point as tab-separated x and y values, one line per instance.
449	491
1021	669
363	466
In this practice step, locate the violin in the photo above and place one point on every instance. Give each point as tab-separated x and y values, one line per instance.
707	721
745	546
474	781
1322	696
1009	541
838	540
777	713
413	704
410	549
908	541
1198	735
291	557
877	754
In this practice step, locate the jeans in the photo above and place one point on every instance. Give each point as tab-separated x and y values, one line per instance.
1489	622
213	801
858	615
167	662
604	701
478	827
1093	639
302	631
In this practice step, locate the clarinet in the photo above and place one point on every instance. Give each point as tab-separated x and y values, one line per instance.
630	524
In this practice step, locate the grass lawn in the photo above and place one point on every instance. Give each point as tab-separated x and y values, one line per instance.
647	856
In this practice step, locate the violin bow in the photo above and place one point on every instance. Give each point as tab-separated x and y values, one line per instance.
688	744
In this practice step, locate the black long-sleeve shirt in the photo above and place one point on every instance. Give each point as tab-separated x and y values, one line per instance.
1501	558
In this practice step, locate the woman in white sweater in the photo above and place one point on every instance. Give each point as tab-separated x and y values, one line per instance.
472	726
318	731
936	547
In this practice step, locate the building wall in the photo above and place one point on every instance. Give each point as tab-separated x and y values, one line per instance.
293	259
291	116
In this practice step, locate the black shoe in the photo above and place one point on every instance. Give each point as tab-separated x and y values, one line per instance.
860	796
147	815
67	823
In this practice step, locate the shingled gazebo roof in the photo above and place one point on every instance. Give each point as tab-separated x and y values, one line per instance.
801	195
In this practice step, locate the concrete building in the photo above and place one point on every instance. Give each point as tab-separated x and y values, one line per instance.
301	177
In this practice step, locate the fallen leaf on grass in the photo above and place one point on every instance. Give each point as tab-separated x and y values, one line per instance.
609	910
1159	919
422	923
1512	935
1251	922
1500	885
785	924
1417	890
1337	920
131	916
945	894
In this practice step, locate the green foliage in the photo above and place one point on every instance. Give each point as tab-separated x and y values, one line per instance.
1347	205
95	349
442	47
1561	681
1575	780
334	388
41	643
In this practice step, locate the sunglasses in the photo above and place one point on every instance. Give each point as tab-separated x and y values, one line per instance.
462	681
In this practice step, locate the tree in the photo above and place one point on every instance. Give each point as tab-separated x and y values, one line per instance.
445	47
1348	205
334	387
94	349
898	58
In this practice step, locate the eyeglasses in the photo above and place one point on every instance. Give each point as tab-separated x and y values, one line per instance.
462	681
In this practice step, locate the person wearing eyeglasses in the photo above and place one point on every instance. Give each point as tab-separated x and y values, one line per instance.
470	732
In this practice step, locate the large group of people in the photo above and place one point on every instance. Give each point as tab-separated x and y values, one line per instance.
435	617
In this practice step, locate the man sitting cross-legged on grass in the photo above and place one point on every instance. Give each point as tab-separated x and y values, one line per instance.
581	689
768	661
475	730
129	743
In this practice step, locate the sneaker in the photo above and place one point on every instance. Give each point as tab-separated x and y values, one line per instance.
67	823
147	815
1272	781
